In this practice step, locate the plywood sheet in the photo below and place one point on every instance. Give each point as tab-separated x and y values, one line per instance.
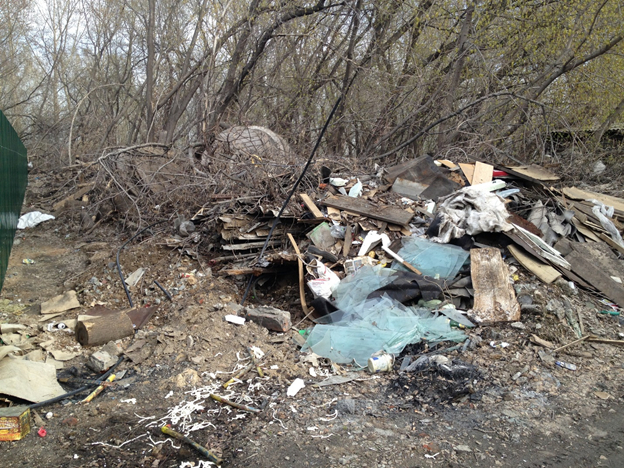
468	170
495	298
482	173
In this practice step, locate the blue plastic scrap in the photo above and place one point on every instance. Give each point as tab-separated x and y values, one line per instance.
432	258
351	336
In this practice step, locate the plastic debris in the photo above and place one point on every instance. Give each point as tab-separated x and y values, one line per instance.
432	259
235	319
470	210
32	219
355	333
566	365
294	387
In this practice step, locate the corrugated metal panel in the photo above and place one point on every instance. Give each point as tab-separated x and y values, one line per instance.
13	181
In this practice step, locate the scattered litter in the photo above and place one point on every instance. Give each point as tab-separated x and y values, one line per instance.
28	380
235	319
32	219
566	365
294	387
61	303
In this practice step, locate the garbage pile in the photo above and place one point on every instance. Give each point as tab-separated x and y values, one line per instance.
422	250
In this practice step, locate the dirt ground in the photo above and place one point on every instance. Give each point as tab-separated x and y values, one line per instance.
515	407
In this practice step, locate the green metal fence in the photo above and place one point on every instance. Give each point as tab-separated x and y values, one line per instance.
13	180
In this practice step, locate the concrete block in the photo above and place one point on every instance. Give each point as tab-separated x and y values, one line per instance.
270	318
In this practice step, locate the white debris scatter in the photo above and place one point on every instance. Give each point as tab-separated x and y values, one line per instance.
235	319
294	388
129	400
200	464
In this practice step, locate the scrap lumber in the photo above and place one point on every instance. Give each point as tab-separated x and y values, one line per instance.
584	229
362	207
257	271
468	170
348	242
612	243
584	265
304	306
536	246
578	194
543	271
532	173
482	173
310	205
248	245
449	164
494	298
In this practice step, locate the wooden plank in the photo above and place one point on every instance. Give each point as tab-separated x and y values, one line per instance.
612	243
543	271
584	230
334	214
249	271
585	267
348	241
533	172
450	164
495	298
482	173
304	306
468	170
537	246
578	194
248	245
310	205
362	207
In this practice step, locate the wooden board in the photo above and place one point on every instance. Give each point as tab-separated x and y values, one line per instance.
334	214
584	266
612	243
578	194
247	246
482	173
584	230
533	172
304	306
468	170
362	207
348	242
536	246
543	271
450	164
494	298
310	205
